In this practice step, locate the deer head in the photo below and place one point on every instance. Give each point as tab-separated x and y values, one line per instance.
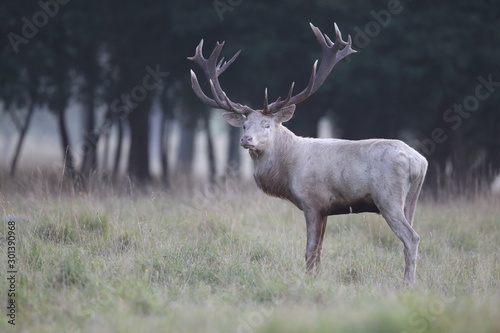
259	126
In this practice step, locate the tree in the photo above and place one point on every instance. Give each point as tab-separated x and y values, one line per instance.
415	76
21	83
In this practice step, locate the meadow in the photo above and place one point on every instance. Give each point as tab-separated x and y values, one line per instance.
232	260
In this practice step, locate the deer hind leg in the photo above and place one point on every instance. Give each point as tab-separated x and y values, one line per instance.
403	230
316	226
412	197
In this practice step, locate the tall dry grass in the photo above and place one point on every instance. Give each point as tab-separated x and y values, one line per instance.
120	259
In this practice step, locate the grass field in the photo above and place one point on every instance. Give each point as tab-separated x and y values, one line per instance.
232	260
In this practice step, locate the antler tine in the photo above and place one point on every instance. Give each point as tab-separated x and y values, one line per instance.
198	56
220	63
212	70
338	37
199	92
212	59
320	37
347	49
226	64
278	104
266	104
332	54
328	41
312	78
289	93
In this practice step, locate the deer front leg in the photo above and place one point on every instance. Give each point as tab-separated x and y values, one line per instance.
316	225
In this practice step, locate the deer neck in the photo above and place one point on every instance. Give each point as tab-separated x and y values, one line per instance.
272	168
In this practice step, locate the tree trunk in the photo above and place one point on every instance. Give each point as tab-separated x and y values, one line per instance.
90	138
185	150
65	144
118	149
138	163
22	135
105	154
459	177
233	168
212	171
164	141
69	165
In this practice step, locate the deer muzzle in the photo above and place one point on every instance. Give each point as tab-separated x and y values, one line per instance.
247	142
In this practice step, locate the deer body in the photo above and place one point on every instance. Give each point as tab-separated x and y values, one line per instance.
323	177
332	175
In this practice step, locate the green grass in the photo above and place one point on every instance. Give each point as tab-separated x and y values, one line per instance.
233	261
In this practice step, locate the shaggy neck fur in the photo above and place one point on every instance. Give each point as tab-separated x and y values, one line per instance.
272	166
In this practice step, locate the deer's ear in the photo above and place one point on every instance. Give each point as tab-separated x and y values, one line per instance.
234	119
285	114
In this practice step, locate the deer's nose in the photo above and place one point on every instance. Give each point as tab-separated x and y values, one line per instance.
246	140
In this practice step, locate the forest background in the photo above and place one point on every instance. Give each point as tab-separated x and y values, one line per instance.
114	79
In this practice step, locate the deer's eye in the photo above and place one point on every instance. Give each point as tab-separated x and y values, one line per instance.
267	125
244	127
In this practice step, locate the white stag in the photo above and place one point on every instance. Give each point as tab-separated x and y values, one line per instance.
322	177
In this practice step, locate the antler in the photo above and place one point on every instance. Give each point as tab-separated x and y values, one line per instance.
212	70
332	54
